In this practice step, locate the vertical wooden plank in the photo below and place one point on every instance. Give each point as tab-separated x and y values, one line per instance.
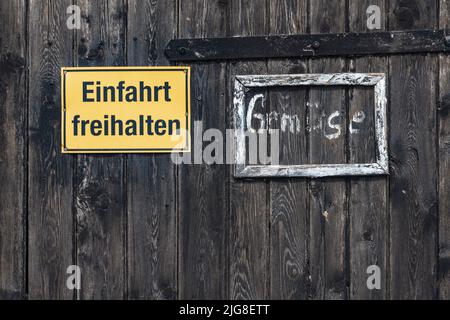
413	180
202	187
288	197
50	187
152	245
368	232
99	185
328	196
444	162
249	228
13	158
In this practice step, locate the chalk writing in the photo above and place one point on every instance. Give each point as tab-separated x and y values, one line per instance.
332	125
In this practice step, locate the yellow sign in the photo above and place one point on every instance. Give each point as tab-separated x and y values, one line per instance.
125	109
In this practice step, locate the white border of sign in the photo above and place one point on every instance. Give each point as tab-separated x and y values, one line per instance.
376	80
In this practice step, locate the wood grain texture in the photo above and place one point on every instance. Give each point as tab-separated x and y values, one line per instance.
289	197
99	190
298	46
151	180
249	226
444	163
141	228
50	185
203	188
368	230
328	207
13	157
413	199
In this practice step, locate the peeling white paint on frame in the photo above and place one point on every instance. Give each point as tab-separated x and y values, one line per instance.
376	80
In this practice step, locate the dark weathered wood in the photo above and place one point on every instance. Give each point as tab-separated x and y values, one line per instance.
289	197
13	157
328	215
203	188
444	183
138	231
368	232
444	163
50	185
413	180
99	193
249	226
151	183
314	45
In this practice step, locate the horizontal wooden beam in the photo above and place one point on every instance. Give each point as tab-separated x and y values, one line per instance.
311	45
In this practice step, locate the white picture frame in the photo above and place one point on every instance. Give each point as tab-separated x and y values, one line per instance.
376	80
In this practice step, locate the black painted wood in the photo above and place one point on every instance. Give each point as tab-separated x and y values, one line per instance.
13	157
309	45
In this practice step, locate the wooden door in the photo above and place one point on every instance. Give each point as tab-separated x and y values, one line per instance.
142	227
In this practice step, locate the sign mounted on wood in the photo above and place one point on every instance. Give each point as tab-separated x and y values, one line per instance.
245	83
125	109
